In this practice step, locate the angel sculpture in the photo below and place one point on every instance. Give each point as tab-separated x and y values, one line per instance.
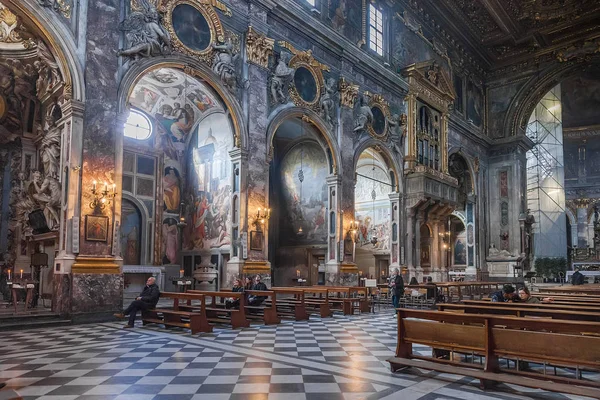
364	116
144	33
396	134
282	75
327	102
224	63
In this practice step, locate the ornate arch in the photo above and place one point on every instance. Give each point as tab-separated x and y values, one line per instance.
279	116
51	29
460	152
192	67
529	95
391	161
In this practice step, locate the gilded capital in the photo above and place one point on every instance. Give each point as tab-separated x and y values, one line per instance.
258	48
348	93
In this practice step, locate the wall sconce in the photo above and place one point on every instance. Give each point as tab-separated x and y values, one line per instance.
262	215
181	223
102	198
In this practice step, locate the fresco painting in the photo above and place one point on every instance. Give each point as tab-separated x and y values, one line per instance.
305	204
170	241
474	104
171	190
207	200
580	98
131	233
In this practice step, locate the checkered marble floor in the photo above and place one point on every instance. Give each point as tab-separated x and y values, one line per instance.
333	358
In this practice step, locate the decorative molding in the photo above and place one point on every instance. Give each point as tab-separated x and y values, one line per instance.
580	52
348	93
95	265
377	101
258	48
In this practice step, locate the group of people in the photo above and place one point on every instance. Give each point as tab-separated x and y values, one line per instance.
509	294
148	299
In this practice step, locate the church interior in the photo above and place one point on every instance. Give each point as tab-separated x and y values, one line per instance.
360	171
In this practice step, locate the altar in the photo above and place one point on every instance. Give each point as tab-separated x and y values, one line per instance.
135	277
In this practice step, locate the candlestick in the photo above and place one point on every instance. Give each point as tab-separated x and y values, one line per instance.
94	186
105	187
114	187
21	274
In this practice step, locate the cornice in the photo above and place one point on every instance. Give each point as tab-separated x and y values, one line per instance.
462	127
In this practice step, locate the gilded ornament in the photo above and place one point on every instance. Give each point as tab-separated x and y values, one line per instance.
348	93
380	124
258	48
61	6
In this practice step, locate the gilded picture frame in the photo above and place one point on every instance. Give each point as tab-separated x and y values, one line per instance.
96	228
379	106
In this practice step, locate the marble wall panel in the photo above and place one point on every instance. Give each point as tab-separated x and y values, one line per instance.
61	294
97	293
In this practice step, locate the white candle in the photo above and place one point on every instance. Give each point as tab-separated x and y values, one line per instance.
21	274
9	274
94	186
106	187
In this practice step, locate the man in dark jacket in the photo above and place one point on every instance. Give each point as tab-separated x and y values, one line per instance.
396	287
145	301
577	278
258	285
506	295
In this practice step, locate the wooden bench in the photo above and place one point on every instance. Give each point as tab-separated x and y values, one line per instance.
180	316
290	303
547	306
316	300
218	313
559	343
518	311
267	310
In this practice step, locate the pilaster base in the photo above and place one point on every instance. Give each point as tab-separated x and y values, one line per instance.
233	271
258	267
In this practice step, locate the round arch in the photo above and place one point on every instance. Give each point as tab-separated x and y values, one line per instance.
459	151
50	27
529	95
278	117
391	161
191	67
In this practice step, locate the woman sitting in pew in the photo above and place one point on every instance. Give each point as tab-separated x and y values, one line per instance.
526	297
233	302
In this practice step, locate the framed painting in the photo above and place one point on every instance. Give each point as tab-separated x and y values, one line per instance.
256	240
96	228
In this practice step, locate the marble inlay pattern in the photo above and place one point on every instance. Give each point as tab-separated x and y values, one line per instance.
97	293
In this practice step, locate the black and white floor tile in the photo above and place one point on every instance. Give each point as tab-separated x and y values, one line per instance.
333	358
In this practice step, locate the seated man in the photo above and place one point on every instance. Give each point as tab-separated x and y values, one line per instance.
577	278
431	289
145	301
258	285
506	295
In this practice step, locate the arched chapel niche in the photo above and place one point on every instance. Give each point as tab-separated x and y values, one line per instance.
375	181
302	220
192	180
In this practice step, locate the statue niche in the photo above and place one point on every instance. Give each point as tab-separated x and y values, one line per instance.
145	35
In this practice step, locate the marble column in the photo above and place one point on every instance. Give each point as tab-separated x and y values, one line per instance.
435	251
336	273
410	227
418	269
235	265
395	229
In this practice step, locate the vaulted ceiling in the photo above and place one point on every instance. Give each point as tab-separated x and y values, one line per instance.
504	32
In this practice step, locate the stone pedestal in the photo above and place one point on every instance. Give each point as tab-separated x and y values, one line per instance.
501	270
258	267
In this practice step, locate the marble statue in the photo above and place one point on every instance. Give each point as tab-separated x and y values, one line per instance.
145	35
364	114
47	194
224	63
50	150
395	124
281	77
327	101
47	70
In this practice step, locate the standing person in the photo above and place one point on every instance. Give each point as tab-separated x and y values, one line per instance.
147	300
396	287
258	285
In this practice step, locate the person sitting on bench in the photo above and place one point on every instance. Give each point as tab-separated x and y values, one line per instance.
235	302
147	300
258	285
506	295
577	278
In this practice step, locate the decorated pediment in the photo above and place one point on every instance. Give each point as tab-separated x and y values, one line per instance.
431	82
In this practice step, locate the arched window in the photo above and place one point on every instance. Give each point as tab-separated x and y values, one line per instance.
137	126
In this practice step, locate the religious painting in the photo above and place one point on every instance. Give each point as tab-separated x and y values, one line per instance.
171	190
176	120
474	104
470	235
131	233
504	213
458	88
503	183
372	203
191	27
580	98
145	98
256	240
170	241
305	202
425	256
201	100
499	103
338	14
460	251
208	197
379	121
96	228
306	84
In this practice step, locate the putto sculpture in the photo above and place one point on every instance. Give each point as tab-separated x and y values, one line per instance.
146	37
224	63
281	77
327	101
364	115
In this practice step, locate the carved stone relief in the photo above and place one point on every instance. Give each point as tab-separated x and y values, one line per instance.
348	93
258	48
146	37
327	102
280	79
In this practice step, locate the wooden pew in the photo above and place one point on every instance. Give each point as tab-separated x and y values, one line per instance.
559	343
593	290
195	319
317	300
216	311
290	303
268	308
518	311
548	306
